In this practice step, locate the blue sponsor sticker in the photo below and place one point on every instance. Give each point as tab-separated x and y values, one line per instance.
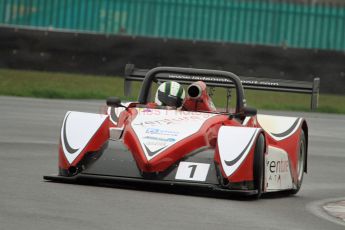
161	132
160	139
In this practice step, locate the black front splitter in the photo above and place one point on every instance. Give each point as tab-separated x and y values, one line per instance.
101	179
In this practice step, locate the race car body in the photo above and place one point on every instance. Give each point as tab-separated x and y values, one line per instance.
240	152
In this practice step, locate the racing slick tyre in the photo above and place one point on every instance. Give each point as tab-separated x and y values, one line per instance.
259	165
301	162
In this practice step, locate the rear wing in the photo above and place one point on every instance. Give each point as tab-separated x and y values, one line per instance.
268	84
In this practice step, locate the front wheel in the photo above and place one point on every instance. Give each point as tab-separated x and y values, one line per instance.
302	151
259	165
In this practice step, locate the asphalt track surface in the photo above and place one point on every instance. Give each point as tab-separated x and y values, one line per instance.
29	130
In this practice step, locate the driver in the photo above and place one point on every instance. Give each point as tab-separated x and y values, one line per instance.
170	94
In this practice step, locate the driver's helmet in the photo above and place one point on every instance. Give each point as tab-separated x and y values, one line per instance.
171	94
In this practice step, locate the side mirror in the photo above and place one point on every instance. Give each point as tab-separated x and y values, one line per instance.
114	102
248	111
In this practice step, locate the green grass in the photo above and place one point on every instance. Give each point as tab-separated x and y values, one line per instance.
58	85
77	86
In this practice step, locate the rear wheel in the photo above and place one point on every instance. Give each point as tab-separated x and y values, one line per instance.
301	162
259	163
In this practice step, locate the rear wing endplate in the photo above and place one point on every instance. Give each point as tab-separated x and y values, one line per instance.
268	84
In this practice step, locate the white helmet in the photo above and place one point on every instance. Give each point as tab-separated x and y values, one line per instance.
170	93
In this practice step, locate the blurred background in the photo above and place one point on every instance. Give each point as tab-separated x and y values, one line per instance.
57	48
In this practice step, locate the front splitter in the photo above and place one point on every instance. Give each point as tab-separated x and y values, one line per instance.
101	179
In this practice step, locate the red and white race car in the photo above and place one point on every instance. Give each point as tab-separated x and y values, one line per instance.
239	151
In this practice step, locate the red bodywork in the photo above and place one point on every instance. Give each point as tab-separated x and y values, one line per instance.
205	137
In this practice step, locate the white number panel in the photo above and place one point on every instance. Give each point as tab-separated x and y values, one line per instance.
192	171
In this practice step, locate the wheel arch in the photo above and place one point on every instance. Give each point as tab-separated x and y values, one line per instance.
305	130
259	164
265	140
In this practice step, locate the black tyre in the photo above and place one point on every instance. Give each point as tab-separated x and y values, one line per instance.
302	154
259	165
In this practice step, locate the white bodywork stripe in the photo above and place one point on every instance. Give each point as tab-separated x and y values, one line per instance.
279	127
77	130
234	144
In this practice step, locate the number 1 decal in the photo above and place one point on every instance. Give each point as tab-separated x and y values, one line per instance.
192	171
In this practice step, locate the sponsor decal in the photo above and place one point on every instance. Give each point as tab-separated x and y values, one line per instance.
161	132
280	166
222	79
174	112
256	82
155	143
276	169
160	139
158	129
169	121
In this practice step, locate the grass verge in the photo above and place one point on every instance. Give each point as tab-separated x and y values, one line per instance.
76	86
